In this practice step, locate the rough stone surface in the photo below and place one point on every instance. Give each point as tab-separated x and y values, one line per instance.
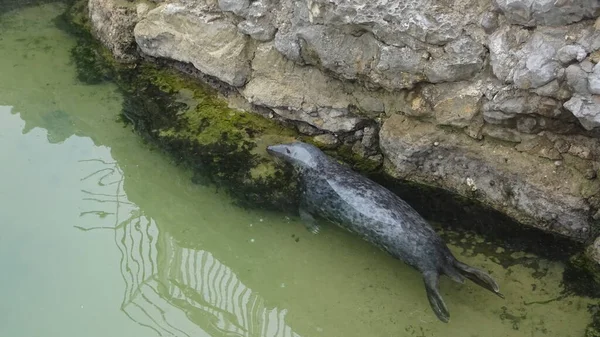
113	22
522	75
257	31
586	109
209	41
530	189
239	7
548	13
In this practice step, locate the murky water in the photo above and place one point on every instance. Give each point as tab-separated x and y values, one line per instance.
102	236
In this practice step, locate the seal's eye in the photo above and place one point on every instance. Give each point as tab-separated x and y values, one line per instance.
288	151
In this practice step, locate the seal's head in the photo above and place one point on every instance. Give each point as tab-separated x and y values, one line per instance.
299	154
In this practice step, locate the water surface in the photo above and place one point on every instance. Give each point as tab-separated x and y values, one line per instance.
104	236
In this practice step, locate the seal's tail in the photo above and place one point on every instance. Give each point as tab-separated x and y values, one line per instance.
435	298
479	277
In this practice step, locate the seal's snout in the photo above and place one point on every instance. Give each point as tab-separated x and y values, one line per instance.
274	150
279	150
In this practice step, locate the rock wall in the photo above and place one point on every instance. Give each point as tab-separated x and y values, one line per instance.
492	99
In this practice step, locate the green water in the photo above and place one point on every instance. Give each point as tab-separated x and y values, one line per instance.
102	236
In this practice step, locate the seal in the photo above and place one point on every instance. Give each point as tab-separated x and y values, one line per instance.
335	192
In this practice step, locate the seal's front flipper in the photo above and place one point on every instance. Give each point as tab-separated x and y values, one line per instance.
309	221
479	277
435	298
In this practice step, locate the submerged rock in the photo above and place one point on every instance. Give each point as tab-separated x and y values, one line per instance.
112	23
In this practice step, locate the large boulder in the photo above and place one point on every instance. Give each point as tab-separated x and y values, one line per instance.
208	40
529	188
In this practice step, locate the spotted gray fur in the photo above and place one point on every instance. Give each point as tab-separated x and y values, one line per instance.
335	192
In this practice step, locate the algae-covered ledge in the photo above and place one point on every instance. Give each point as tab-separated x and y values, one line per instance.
217	115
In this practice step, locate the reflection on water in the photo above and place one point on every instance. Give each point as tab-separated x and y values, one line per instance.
172	290
100	235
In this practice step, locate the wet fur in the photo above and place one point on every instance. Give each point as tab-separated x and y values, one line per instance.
359	205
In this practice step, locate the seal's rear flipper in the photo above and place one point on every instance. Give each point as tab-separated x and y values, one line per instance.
435	299
479	277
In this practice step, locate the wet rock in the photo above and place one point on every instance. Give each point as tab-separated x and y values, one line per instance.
527	188
593	253
112	23
326	140
370	137
209	41
548	13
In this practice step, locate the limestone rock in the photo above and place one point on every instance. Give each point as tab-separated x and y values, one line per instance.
535	60
394	48
454	104
548	13
209	41
400	22
239	7
527	188
260	31
299	93
540	146
510	102
586	109
398	68
112	23
577	79
463	58
343	54
594	80
570	53
502	133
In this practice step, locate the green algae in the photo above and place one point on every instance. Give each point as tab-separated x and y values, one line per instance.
189	121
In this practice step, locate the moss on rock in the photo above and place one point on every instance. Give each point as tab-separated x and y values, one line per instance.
222	145
190	122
